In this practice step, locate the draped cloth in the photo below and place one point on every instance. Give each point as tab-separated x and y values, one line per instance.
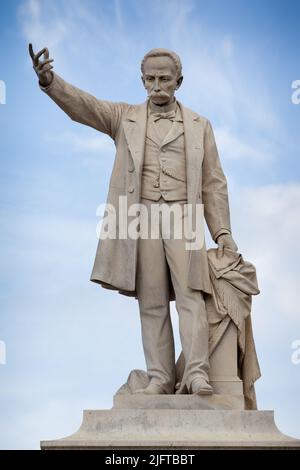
233	282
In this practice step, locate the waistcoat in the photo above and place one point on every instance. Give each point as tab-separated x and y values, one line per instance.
164	167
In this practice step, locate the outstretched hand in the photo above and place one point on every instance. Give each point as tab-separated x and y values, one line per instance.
225	241
42	67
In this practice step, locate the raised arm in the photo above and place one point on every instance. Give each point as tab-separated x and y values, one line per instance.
105	116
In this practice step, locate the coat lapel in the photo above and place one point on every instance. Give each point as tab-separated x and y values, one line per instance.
175	131
135	132
153	134
193	133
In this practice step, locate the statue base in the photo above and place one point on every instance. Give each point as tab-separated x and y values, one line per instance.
175	422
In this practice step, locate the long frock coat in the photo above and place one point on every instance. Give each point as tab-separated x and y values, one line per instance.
116	259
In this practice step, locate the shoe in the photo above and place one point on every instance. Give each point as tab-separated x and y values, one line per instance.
200	386
151	389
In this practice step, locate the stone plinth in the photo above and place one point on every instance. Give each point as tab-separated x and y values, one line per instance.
175	422
179	402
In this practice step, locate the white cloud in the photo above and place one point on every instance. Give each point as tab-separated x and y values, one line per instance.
33	24
232	146
267	223
77	142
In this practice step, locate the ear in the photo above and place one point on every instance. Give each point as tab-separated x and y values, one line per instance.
179	82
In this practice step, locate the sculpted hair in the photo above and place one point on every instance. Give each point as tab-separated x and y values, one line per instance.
163	53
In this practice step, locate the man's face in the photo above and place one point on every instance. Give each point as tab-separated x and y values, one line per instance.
160	79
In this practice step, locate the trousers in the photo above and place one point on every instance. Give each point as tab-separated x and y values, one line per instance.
160	260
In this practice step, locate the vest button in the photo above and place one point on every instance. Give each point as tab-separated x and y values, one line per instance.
131	189
131	170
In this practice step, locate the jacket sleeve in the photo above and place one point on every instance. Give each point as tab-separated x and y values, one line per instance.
214	188
105	116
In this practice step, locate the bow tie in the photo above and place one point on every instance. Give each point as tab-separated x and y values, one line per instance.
169	115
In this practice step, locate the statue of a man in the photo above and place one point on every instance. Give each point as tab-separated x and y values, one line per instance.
165	154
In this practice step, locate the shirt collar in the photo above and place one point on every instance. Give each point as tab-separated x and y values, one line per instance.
153	108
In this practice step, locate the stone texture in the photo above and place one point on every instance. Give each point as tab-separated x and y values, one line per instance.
179	402
175	429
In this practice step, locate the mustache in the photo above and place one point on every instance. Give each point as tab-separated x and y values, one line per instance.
160	94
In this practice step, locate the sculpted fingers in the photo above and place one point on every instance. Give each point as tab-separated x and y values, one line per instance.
31	53
41	52
38	55
44	66
46	53
45	69
228	242
236	248
44	62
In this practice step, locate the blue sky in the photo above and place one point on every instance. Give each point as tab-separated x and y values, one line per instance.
71	344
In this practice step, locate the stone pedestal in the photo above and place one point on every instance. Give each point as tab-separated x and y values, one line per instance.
219	421
175	422
223	373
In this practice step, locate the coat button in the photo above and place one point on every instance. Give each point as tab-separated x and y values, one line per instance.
131	170
131	189
164	150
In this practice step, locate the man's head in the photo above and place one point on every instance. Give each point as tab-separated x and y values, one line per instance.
161	75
